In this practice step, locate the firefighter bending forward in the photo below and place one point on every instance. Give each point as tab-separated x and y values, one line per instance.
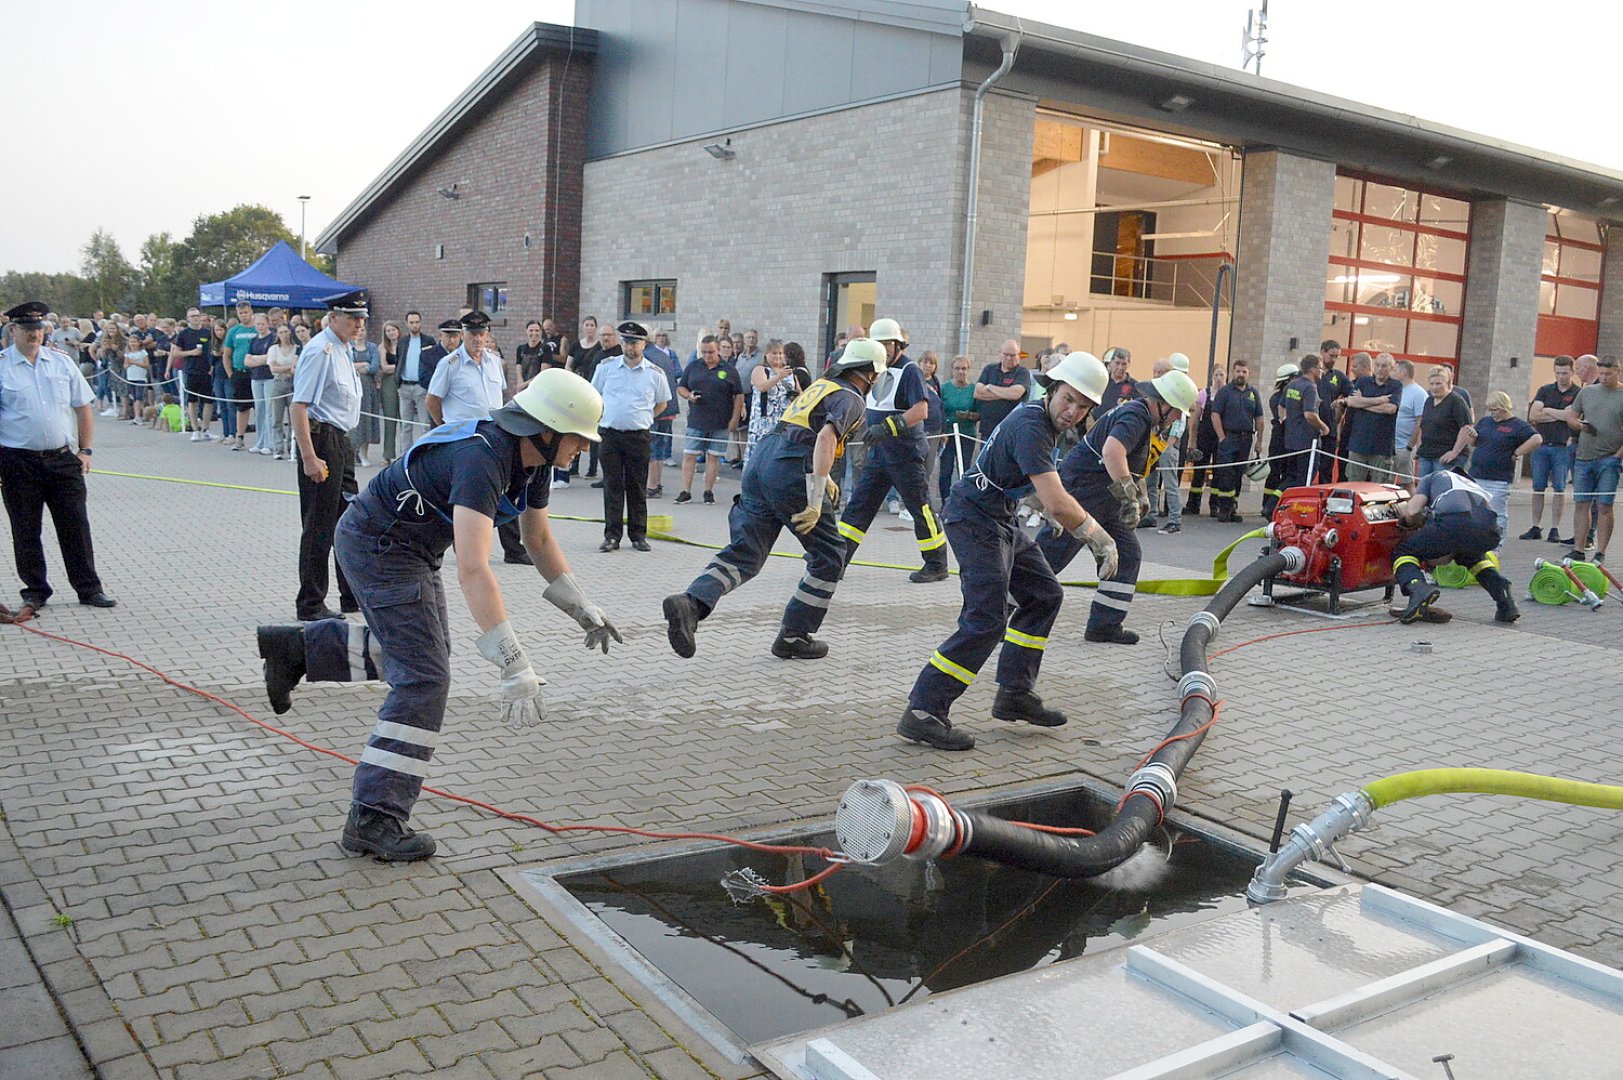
997	561
452	485
1452	518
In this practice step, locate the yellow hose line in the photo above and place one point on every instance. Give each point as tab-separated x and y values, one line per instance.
1413	785
199	483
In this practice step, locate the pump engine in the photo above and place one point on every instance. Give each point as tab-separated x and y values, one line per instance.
1346	531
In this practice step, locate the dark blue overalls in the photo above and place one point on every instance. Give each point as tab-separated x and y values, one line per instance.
391	543
898	463
1084	476
774	490
996	561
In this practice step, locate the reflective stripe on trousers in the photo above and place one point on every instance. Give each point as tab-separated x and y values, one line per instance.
897	463
1111	601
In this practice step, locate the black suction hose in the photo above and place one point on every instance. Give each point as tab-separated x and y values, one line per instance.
1087	856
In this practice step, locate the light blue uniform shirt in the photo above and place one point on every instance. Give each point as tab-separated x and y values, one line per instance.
37	400
414	354
468	389
326	380
630	393
1409	411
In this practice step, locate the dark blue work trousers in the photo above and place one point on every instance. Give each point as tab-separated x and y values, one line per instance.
996	563
774	490
406	640
1227	476
894	463
1114	597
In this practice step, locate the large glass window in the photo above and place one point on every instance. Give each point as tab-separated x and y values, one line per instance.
1396	279
647	298
1569	288
490	297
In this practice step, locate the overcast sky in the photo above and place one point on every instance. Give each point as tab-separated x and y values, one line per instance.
151	113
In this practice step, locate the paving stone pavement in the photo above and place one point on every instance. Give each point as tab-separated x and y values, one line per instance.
218	931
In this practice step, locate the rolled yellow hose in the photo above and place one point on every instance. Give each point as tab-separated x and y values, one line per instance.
1412	785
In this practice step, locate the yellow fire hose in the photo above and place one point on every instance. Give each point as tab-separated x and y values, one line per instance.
1413	785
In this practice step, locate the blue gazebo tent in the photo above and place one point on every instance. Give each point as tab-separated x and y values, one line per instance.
278	277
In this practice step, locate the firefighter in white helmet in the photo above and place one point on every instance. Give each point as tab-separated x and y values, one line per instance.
450	487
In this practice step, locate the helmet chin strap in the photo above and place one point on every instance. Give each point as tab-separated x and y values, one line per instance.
548	451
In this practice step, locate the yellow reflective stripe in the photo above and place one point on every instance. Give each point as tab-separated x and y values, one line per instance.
1405	560
962	674
932	542
936	537
851	532
1030	641
1489	563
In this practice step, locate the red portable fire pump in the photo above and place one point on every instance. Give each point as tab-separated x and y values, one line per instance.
1347	531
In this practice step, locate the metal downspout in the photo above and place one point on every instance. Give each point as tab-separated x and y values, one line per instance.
1011	45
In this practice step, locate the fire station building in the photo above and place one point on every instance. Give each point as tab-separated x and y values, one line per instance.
800	165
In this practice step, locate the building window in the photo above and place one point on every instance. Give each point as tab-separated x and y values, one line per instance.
1569	287
490	298
649	299
1396	280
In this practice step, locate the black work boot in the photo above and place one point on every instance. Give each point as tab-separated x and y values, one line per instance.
929	572
799	647
682	621
1192	507
1024	706
1421	597
932	730
1498	587
282	648
1433	614
368	832
1113	635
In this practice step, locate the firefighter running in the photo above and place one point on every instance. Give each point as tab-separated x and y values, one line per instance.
998	562
787	482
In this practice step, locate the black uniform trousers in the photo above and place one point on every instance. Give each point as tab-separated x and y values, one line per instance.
1273	486
625	478
1325	468
897	463
1227	475
1201	475
1293	470
1113	597
320	507
36	479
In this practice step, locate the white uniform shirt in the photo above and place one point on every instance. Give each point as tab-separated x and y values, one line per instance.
37	400
468	389
630	393
325	379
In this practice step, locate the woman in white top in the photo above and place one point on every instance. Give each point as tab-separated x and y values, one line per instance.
136	365
772	385
284	356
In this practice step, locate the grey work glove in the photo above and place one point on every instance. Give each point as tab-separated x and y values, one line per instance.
520	687
1141	491
817	488
1091	533
565	595
1126	495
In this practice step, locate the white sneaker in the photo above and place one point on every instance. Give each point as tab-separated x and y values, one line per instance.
894	507
109	412
559	485
197	436
906	516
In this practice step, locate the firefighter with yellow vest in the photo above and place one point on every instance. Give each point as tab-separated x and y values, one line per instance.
787	482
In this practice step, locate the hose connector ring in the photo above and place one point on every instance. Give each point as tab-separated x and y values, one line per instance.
1197	683
1158	780
1208	620
1295	559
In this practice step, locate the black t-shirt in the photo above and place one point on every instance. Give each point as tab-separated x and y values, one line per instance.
1118	391
584	359
716	388
1129	424
1551	396
473	472
1238	409
829	401
530	360
189	339
260	346
1301	398
1020	448
1371	433
993	412
1441	422
1333	386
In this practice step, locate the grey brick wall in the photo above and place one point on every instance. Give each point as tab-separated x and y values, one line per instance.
1609	338
875	188
1008	125
518	171
1501	298
1284	249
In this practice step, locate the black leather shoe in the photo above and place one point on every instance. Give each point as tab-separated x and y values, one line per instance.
1024	707
368	832
927	574
682	622
282	649
597	483
609	545
1419	601
101	600
804	647
641	545
518	558
349	607
320	614
932	730
1112	635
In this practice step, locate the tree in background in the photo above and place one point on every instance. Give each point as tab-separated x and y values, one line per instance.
65	293
161	290
109	279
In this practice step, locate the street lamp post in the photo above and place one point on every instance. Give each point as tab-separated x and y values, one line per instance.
304	201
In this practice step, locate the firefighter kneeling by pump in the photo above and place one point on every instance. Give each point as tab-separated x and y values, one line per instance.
1452	518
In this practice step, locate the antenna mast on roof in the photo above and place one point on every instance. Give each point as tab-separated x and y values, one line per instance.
1254	44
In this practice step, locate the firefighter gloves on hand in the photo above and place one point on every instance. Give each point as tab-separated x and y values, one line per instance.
816	488
520	688
1126	494
888	428
1091	533
1142	492
565	595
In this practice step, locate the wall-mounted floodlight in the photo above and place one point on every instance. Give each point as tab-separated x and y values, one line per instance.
721	151
1175	104
450	192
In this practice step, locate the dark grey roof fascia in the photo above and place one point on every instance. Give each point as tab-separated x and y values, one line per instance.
941	16
537	39
1310	104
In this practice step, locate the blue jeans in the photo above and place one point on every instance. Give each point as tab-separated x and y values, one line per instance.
225	410
1596	480
1552	465
1427	465
663	443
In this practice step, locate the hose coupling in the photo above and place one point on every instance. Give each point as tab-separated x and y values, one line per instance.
1157	780
1295	559
1268	529
1310	840
879	821
1197	683
1208	620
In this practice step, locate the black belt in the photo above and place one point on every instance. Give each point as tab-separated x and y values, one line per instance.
63	449
318	424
